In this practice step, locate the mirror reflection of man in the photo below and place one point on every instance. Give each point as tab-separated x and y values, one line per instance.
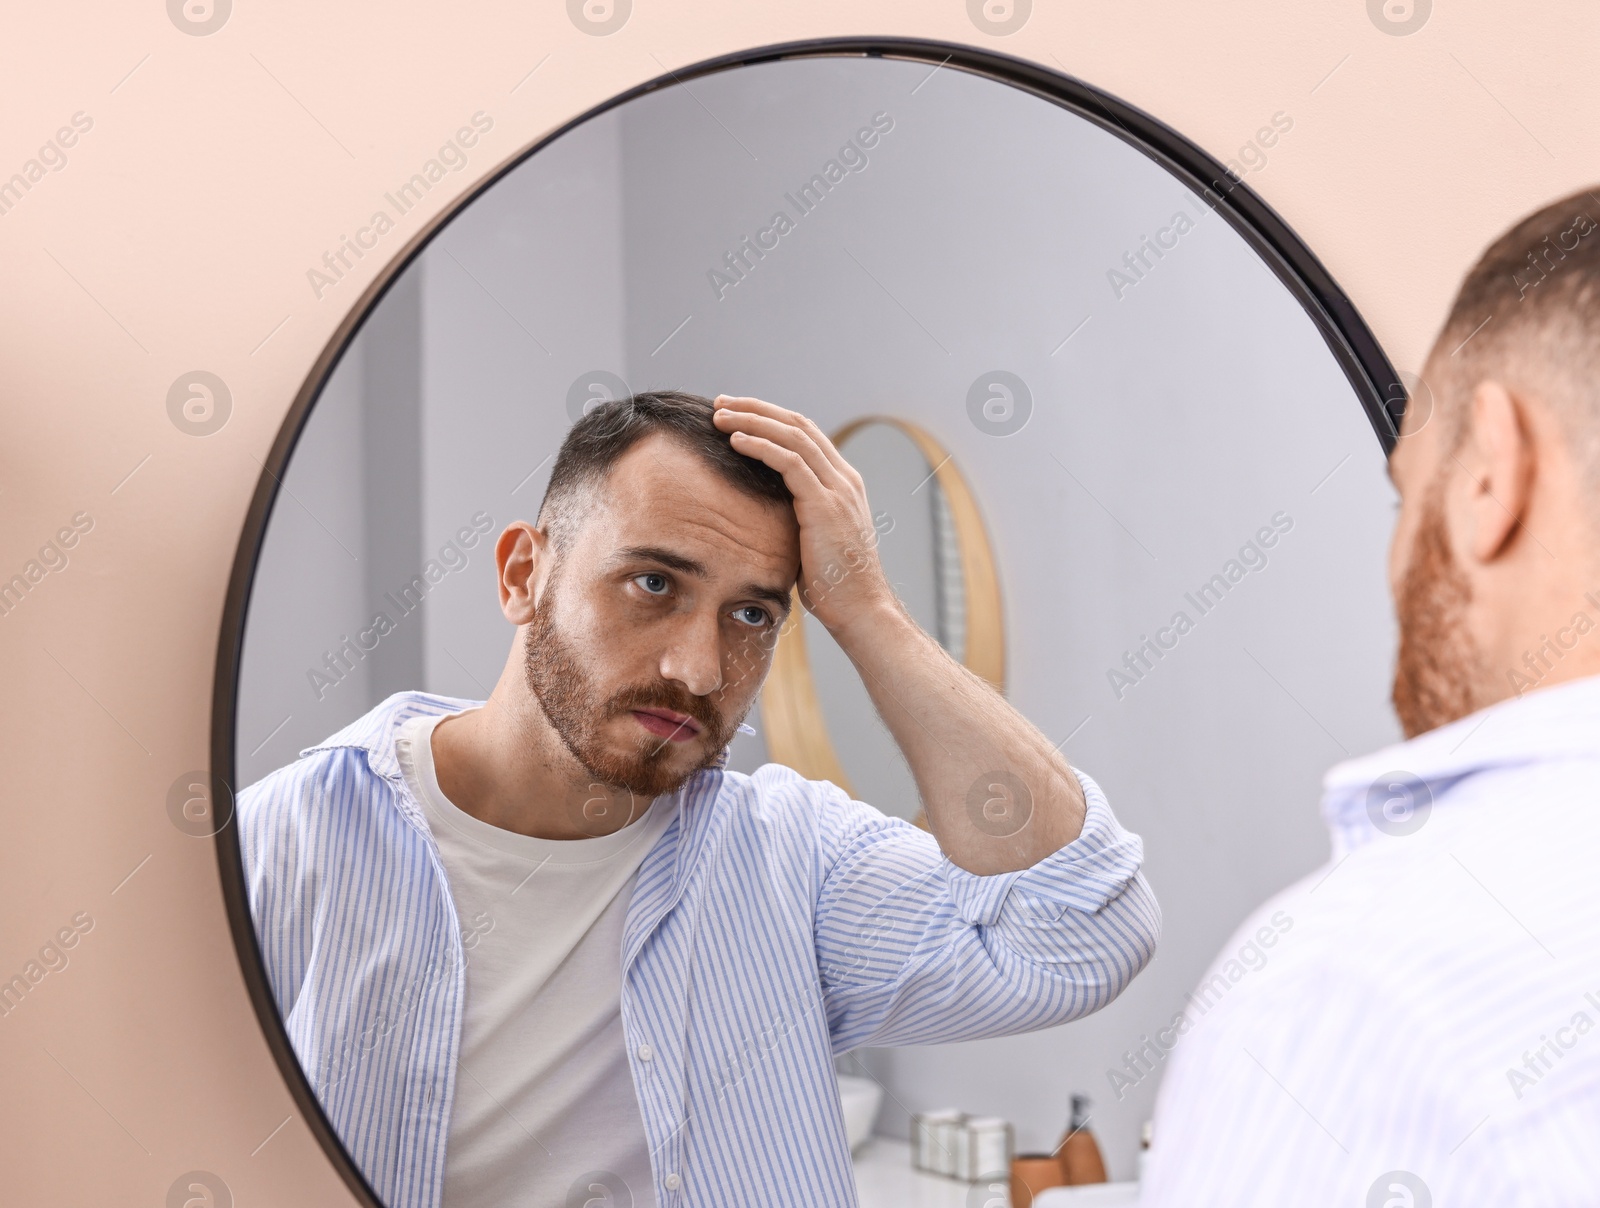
1425	1031
546	946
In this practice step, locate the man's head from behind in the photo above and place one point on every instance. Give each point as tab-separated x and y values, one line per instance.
1498	468
651	592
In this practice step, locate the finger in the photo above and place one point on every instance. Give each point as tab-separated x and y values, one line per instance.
790	436
749	405
797	472
745	404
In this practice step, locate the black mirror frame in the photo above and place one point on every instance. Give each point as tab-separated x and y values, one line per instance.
1353	345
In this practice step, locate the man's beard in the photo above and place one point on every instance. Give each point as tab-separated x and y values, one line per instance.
1438	664
566	693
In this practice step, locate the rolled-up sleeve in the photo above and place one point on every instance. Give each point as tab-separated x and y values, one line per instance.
914	950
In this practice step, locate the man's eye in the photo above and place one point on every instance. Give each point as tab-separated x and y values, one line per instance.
655	584
751	614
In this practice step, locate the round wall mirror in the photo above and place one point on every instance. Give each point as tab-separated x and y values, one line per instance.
1116	423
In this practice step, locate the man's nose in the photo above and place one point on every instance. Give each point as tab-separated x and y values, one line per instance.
694	657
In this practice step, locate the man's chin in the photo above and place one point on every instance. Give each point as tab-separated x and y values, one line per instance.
653	773
656	783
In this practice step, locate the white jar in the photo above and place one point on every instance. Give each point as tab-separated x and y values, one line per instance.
948	1135
926	1138
986	1151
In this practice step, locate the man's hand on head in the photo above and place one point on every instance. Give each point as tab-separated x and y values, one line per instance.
841	579
999	795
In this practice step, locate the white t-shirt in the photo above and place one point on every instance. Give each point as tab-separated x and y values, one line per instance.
543	1090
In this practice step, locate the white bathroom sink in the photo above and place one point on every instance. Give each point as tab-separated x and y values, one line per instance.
860	1098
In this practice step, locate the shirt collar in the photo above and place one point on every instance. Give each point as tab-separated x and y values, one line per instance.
1548	723
375	732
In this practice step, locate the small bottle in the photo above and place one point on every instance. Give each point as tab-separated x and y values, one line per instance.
1078	1152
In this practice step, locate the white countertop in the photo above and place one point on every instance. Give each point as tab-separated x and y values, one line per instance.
885	1179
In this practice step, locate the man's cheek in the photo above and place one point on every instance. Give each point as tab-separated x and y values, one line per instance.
748	666
743	671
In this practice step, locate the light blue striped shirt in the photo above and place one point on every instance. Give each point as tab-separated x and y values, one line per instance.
775	923
1417	1023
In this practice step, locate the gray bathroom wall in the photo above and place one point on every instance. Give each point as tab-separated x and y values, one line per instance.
310	591
441	417
391	358
1172	414
523	298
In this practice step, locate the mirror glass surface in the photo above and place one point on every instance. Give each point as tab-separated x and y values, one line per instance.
1149	422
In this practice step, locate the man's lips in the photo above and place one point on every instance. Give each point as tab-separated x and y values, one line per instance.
664	723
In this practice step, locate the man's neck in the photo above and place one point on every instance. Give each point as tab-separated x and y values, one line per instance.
1556	639
505	765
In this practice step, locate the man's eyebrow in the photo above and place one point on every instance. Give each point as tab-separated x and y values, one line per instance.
655	553
779	598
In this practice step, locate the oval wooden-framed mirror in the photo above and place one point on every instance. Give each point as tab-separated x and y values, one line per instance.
793	709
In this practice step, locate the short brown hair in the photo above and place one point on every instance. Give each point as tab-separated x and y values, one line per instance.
1530	309
595	443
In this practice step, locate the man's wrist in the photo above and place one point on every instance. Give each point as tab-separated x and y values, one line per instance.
870	625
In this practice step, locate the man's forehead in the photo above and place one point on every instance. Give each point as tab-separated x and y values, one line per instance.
660	492
663	460
661	453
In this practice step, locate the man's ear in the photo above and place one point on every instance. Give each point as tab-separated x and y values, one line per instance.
520	556
1498	457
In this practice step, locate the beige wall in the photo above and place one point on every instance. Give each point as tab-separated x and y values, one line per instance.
218	169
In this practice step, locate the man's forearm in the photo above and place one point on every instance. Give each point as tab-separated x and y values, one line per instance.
997	793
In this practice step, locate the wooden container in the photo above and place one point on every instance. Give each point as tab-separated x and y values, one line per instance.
1032	1173
1080	1160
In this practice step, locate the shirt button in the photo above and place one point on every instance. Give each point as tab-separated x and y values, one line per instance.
672	1182
646	1052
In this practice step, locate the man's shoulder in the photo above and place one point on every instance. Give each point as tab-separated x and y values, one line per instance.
358	756
375	729
317	770
1399	928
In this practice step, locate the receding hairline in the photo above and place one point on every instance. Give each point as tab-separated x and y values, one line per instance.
571	495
